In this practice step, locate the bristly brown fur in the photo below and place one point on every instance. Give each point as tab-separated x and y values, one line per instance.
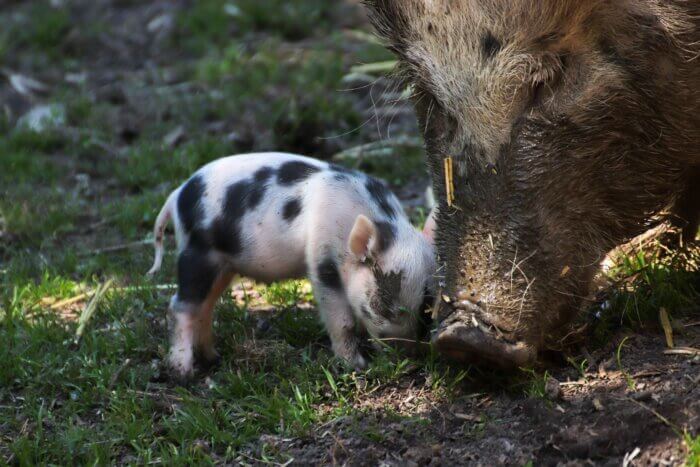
571	124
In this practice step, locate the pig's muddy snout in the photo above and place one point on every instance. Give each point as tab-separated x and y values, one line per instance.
464	335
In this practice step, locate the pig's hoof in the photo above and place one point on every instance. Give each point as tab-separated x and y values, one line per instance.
180	377
208	361
465	343
180	371
354	362
359	363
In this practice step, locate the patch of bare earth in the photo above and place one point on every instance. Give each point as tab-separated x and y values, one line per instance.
599	419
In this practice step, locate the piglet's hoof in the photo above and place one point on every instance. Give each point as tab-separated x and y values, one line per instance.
461	340
180	378
208	362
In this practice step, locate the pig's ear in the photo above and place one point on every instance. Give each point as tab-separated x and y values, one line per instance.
392	19
362	237
430	226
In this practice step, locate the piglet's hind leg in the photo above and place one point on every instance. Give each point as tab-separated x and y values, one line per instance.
197	274
205	352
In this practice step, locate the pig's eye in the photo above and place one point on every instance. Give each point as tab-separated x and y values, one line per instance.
436	122
536	96
544	81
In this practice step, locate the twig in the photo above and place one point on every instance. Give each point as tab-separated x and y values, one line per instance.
575	383
398	339
68	301
113	248
135	288
666	325
682	351
374	68
90	309
82	296
449	181
115	376
638	242
657	414
377	148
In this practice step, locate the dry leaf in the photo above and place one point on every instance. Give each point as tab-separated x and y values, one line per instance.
598	405
666	324
467	417
26	85
682	351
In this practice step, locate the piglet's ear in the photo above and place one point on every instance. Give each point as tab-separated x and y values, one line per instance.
362	236
430	226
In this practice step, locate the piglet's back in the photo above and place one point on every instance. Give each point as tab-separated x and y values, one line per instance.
260	211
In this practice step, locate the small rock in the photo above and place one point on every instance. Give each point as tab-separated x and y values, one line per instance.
82	183
552	388
43	117
262	326
75	78
396	427
159	23
420	455
598	405
232	10
174	137
211	384
201	445
25	85
642	395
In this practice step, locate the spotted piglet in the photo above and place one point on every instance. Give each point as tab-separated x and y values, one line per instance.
274	216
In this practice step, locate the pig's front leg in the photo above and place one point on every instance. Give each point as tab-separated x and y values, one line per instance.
340	323
337	315
184	322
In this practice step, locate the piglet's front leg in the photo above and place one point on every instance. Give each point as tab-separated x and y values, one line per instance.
337	316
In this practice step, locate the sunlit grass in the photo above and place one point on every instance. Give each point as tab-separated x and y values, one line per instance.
66	195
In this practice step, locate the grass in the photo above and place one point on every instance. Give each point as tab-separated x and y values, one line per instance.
313	105
628	378
42	30
254	72
103	398
217	21
580	364
692	444
645	281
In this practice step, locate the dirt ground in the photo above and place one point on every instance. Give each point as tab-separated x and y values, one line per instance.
633	404
595	419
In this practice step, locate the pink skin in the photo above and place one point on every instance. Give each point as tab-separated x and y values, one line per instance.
274	248
430	226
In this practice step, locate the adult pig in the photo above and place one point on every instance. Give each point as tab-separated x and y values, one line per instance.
571	125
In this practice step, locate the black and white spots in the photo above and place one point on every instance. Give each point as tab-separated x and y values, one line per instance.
196	273
381	195
387	235
293	172
225	228
291	209
328	274
490	45
257	187
189	202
